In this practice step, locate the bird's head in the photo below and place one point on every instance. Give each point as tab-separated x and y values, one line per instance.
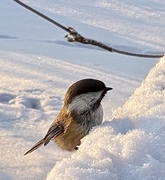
85	94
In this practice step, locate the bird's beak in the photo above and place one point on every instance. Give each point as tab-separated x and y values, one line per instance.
108	88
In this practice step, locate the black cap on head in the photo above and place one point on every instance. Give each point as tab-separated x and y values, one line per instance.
85	86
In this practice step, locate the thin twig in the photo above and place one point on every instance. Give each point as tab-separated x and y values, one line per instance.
74	36
41	15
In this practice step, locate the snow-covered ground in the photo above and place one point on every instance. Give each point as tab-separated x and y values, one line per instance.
37	66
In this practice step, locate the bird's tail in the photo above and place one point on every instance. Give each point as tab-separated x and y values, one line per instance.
36	146
53	131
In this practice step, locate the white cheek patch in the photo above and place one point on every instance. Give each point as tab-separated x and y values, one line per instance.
84	101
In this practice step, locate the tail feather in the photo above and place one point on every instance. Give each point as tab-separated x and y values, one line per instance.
53	131
36	146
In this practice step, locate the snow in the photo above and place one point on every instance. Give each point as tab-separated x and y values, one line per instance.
131	146
37	66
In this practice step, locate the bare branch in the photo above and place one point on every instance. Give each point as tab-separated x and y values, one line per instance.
74	36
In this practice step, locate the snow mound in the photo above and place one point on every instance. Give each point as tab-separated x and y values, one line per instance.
131	146
149	98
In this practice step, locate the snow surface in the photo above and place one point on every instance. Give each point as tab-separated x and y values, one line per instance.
37	66
131	146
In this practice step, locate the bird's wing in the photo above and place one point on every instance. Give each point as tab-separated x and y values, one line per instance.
53	131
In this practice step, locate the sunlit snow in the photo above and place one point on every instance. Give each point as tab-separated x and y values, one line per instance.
37	66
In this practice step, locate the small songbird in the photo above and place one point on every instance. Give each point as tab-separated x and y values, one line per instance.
81	111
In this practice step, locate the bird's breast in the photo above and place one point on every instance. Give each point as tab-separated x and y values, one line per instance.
79	126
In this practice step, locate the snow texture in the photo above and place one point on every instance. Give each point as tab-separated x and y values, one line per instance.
131	146
37	66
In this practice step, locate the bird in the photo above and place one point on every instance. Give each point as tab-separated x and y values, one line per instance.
81	111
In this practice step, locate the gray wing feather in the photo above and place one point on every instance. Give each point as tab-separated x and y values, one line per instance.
53	131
